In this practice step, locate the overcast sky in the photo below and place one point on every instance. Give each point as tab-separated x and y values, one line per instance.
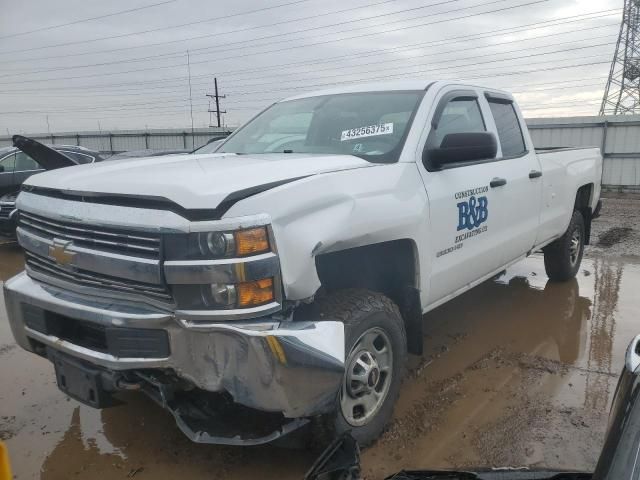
129	69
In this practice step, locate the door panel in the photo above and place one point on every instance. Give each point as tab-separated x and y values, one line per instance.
521	168
467	214
466	217
6	175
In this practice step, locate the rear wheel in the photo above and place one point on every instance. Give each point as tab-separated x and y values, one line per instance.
562	257
376	351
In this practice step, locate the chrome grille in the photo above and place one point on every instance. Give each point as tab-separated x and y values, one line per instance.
47	267
6	208
115	240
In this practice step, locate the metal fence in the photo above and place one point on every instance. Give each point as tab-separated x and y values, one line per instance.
618	137
126	140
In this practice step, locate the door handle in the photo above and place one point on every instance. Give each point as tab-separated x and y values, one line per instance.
535	174
497	182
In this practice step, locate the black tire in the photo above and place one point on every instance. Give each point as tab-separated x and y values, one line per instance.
364	313
562	257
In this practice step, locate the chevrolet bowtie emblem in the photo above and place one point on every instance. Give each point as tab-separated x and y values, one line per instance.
58	251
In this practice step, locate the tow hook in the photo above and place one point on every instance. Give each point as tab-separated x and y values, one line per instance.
123	384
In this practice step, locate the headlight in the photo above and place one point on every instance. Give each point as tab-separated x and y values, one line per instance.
226	259
216	244
212	245
225	296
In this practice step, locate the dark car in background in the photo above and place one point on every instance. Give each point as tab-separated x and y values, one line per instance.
16	166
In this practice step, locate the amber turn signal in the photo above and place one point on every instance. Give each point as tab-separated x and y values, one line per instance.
252	241
252	294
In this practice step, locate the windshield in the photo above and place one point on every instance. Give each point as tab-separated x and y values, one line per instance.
369	125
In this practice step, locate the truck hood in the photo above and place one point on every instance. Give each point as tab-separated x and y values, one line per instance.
193	181
47	157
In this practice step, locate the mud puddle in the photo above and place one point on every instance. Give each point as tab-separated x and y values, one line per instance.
614	235
517	372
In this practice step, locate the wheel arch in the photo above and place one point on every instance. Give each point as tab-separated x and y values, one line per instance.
583	202
390	268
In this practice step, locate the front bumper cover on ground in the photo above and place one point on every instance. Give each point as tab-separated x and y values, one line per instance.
273	366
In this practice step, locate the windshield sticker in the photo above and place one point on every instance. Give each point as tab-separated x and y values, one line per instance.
370	131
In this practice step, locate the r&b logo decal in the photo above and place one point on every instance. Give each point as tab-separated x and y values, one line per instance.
472	213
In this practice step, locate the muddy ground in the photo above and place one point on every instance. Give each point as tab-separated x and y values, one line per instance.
517	372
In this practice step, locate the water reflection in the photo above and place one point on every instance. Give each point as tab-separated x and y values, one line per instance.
608	277
521	308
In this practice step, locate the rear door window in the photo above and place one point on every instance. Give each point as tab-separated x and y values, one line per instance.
509	131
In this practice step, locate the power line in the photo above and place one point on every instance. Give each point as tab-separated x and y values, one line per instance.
188	24
226	47
559	21
169	55
330	59
75	22
308	87
332	41
461	66
492	56
489	34
404	73
262	101
329	84
217	34
142	32
156	107
456	39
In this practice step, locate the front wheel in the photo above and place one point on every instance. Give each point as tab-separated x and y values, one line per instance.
376	351
562	257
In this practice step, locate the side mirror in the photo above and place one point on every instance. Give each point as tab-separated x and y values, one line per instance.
462	147
1	168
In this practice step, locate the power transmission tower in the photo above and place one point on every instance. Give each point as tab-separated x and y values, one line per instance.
217	98
622	93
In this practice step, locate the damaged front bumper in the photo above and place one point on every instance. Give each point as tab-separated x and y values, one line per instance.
289	368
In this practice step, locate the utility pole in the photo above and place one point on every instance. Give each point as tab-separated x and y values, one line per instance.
217	98
193	138
622	93
48	126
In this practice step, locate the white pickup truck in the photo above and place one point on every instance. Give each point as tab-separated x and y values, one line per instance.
282	280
